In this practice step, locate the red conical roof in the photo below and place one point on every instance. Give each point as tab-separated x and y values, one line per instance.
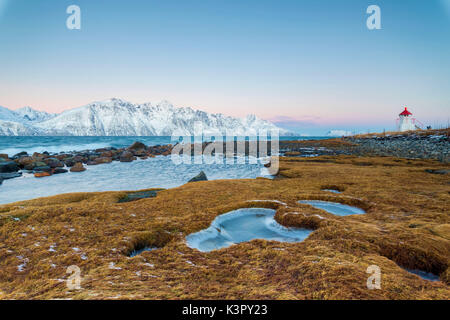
405	113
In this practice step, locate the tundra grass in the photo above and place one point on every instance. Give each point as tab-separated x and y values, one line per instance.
407	226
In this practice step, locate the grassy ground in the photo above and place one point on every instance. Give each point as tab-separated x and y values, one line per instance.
444	131
407	224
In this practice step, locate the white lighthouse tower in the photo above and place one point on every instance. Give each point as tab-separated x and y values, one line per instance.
406	122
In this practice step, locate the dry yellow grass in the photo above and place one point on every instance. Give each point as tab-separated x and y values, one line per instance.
444	131
407	223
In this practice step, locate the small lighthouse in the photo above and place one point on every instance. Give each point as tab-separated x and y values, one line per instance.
406	122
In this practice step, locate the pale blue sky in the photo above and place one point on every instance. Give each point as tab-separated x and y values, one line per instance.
309	65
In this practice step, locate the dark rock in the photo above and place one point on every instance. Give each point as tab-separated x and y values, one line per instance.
140	153
106	154
70	162
78	167
20	154
126	157
59	171
137	146
138	195
8	166
10	175
53	163
102	160
200	177
42	169
93	156
29	167
432	171
24	161
4	156
40	164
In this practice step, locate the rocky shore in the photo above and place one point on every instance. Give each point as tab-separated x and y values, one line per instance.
46	164
412	145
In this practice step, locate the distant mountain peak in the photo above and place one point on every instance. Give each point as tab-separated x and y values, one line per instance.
117	117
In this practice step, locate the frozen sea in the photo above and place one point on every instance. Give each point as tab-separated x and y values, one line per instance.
159	172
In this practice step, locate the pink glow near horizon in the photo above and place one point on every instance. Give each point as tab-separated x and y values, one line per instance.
285	114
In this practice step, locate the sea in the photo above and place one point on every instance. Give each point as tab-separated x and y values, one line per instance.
158	172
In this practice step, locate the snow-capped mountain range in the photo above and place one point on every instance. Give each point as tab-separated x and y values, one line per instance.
115	117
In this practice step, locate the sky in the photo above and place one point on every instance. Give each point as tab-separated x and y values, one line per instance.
307	65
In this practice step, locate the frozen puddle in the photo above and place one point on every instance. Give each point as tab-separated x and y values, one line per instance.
334	207
244	225
332	190
424	275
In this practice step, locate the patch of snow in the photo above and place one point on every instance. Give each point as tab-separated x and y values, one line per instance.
112	266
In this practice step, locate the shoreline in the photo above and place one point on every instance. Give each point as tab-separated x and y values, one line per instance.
430	144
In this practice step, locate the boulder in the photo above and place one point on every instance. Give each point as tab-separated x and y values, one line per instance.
140	153
10	175
4	156
42	169
78	167
40	164
93	156
54	163
102	160
138	196
59	171
137	146
106	154
25	161
126	157
200	177
70	162
29	167
61	157
42	174
8	166
20	154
